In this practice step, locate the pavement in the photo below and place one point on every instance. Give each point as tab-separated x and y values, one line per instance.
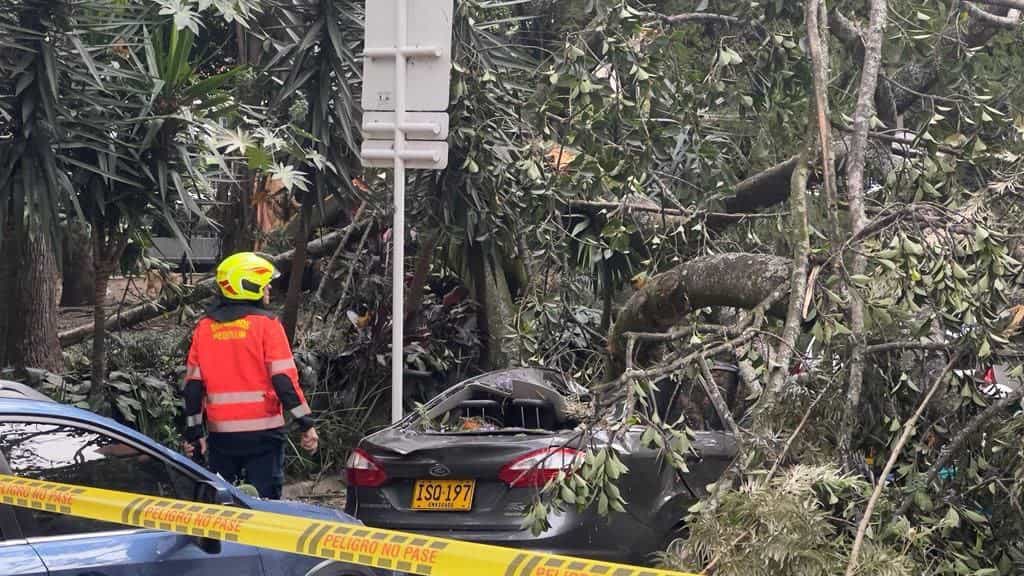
325	491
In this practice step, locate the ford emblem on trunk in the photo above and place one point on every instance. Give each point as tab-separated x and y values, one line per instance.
439	470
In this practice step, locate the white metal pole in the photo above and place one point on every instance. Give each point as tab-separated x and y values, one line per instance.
398	226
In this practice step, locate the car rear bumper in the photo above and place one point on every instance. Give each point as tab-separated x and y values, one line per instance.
614	539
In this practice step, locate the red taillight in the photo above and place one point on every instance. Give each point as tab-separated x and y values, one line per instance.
539	467
362	470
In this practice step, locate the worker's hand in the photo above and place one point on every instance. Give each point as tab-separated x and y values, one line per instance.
189	448
310	440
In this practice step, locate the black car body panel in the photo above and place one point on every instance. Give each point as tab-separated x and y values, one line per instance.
517	412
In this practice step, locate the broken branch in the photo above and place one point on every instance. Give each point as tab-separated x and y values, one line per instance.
711	389
700	17
1018	4
1011	20
858	221
908	430
906	345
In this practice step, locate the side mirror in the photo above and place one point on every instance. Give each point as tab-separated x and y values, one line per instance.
211	493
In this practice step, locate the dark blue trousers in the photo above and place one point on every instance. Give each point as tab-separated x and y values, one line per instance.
259	462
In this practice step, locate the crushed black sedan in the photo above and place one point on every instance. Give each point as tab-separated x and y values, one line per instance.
469	464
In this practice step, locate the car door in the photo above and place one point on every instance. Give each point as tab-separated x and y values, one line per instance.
17	557
79	453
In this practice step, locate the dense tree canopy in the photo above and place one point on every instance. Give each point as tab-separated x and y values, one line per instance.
823	196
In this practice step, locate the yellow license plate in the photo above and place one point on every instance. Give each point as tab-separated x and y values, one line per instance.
443	495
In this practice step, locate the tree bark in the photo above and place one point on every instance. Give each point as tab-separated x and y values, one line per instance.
9	330
419	277
1017	4
490	288
240	236
108	245
799	228
333	211
798	278
99	341
855	192
78	274
291	303
30	304
732	280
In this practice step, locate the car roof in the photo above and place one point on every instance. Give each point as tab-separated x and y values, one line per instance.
34	407
22	400
11	404
16	390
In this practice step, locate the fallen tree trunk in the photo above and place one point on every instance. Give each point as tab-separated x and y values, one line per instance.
202	290
734	280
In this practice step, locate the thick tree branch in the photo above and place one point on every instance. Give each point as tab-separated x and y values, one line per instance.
1018	4
798	277
766	188
848	33
592	206
799	227
1011	20
733	280
858	220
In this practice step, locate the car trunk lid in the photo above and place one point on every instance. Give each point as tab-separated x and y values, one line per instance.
414	463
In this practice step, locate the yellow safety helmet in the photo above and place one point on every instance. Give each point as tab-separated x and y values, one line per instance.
245	275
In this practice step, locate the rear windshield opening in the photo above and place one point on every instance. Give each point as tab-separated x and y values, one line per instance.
478	409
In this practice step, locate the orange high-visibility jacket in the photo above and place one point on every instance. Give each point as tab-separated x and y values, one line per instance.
246	369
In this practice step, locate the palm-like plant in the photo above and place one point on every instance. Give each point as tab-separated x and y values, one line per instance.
107	97
316	79
33	185
148	165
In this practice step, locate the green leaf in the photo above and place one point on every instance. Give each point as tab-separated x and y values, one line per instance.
215	82
985	350
974	517
86	57
648	437
952	519
568	495
922	501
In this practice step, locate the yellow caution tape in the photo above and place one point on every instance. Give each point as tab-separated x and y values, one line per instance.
355	544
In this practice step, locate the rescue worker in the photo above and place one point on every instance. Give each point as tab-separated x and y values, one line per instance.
241	373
